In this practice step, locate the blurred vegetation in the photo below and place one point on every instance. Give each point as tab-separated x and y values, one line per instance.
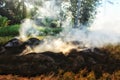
18	10
3	21
86	12
14	10
50	31
13	30
9	30
82	75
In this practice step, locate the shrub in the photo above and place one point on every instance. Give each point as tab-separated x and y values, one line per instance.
3	21
10	30
13	30
51	31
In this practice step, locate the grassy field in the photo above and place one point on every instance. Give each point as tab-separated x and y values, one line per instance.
82	75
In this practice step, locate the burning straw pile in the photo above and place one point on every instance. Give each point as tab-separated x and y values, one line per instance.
99	60
72	50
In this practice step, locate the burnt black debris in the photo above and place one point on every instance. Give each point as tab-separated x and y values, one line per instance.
32	42
16	46
33	64
2	49
13	43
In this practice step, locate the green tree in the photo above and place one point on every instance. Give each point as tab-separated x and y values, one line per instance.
14	10
83	11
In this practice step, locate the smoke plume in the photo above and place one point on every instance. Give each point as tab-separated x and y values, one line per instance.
104	31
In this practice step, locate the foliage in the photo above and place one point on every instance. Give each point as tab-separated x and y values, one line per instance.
3	21
17	10
13	30
50	31
46	22
14	10
86	12
9	30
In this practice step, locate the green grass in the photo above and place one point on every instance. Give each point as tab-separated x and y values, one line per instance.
3	21
12	30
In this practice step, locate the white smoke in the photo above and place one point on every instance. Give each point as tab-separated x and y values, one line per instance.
106	26
107	29
48	9
28	28
104	31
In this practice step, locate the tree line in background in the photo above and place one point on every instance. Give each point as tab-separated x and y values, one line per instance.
85	11
13	11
